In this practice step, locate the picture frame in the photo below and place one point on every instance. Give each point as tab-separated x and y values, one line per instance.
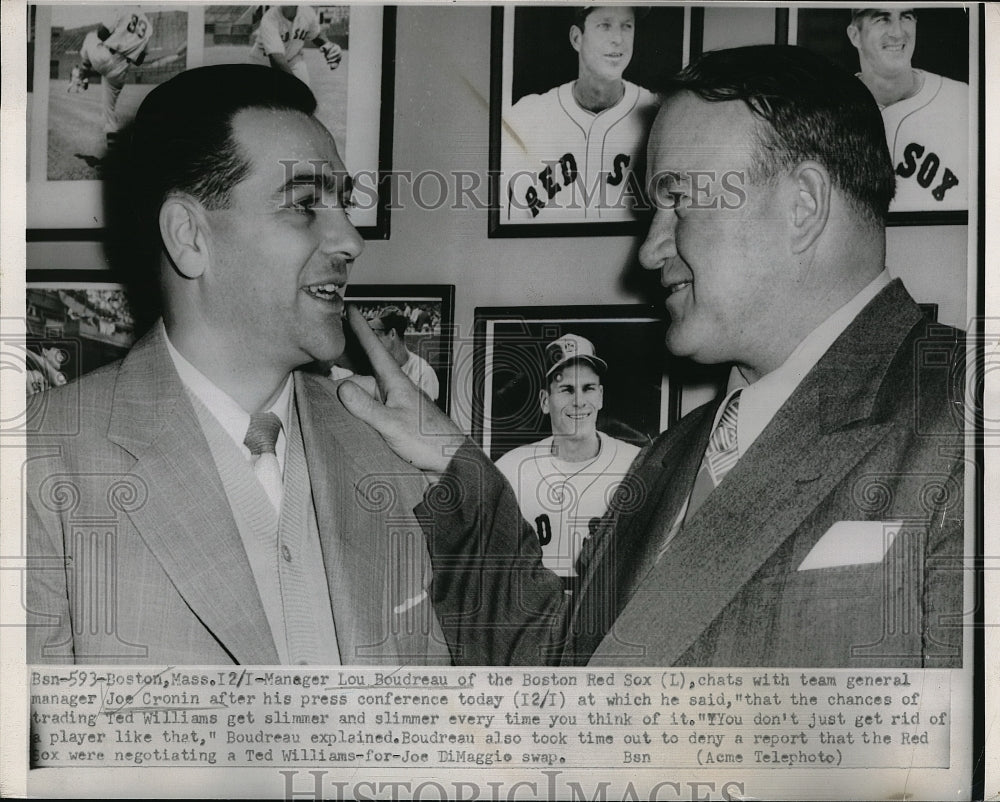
435	301
536	190
640	397
75	321
65	129
926	185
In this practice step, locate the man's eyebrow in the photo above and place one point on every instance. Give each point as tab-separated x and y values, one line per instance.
341	184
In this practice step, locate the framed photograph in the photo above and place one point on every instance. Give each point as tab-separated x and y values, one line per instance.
426	315
73	325
926	109
81	94
510	363
567	151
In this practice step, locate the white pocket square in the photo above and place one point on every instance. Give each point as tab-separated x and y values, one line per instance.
410	603
852	543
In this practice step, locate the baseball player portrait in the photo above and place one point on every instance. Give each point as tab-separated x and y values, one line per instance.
565	482
390	327
281	36
575	152
926	115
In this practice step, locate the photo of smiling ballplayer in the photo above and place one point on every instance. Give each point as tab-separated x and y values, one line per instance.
926	115
564	482
575	152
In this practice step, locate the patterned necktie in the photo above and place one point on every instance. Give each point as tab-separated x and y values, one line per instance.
261	436
720	456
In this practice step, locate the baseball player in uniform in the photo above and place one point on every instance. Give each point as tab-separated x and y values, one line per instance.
390	326
111	50
566	481
281	36
576	152
926	116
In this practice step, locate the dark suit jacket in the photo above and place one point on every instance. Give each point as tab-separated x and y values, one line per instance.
869	443
134	554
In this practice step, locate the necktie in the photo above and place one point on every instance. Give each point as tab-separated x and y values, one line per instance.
720	456
261	436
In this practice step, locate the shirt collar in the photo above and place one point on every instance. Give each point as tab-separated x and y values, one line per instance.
760	401
230	415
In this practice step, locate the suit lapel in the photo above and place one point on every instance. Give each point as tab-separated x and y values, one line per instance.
185	520
353	560
825	428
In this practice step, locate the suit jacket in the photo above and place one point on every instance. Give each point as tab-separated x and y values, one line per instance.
861	468
134	555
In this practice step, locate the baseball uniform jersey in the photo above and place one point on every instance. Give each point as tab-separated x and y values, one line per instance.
928	136
560	499
130	35
563	163
282	36
422	374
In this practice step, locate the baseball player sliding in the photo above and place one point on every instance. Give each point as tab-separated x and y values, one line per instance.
111	50
926	116
576	152
565	481
281	35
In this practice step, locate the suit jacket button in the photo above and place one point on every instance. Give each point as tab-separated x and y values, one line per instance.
286	553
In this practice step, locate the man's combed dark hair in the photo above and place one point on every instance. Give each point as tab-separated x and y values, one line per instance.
808	108
182	138
393	319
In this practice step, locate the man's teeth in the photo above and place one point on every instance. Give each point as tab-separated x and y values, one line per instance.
677	286
326	292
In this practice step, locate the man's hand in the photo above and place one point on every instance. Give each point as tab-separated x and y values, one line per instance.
333	54
408	420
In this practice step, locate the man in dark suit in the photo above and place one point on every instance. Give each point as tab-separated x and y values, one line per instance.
813	514
203	501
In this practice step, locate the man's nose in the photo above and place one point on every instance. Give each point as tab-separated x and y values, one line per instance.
339	234
660	244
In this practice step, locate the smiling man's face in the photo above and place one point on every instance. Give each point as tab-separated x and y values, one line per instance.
573	399
884	38
282	250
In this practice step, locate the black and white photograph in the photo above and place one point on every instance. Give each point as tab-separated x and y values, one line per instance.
93	64
651	460
74	327
416	326
915	61
575	90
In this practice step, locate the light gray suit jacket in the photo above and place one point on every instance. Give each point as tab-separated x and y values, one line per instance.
869	444
133	552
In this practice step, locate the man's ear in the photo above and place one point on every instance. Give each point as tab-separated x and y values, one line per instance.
543	401
185	234
575	35
810	205
854	35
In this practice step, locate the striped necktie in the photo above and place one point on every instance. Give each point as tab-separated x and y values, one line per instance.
720	456
262	434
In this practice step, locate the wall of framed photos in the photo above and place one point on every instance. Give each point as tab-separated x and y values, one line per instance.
441	124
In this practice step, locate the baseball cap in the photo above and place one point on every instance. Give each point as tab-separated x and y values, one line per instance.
570	348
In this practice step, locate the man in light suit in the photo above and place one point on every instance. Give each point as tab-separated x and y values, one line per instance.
163	526
813	515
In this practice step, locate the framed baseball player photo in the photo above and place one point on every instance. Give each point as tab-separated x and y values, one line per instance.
100	61
415	323
919	65
519	349
73	325
573	94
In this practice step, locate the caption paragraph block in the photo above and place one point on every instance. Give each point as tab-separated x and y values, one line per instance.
450	718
